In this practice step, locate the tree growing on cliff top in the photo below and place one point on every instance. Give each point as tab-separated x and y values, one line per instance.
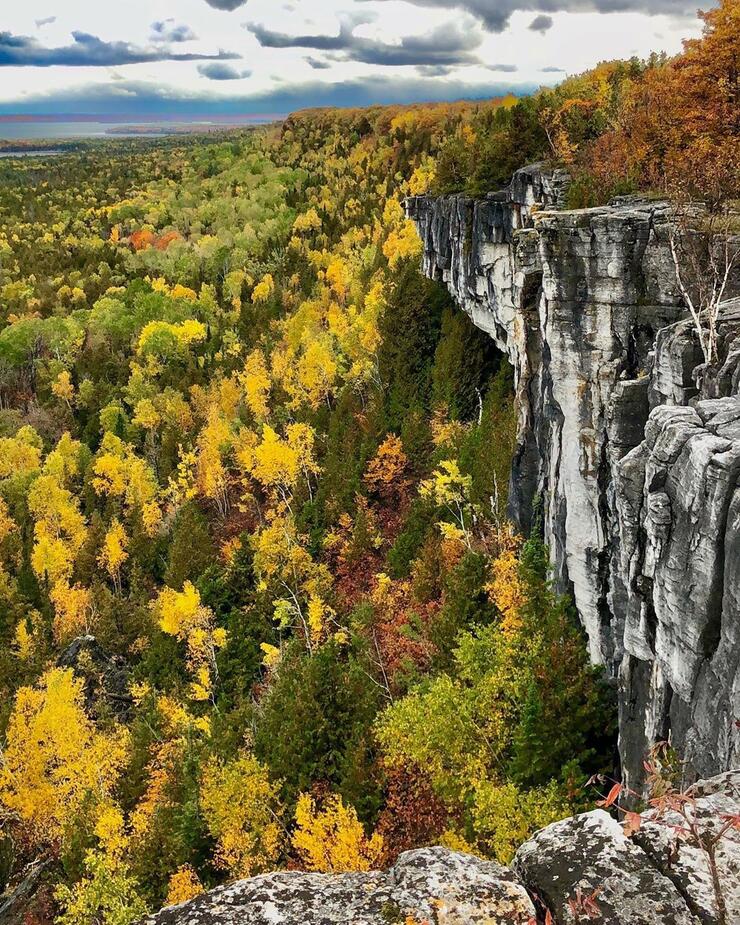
698	136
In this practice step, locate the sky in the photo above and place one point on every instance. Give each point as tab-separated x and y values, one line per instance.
180	58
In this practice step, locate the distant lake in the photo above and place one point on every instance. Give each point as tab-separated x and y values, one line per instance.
47	152
41	131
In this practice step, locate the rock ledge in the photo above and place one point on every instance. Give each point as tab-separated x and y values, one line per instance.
583	869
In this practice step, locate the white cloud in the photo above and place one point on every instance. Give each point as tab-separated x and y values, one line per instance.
523	57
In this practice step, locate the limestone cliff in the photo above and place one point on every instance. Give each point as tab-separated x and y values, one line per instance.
639	483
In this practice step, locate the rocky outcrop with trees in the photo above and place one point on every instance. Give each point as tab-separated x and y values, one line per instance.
670	866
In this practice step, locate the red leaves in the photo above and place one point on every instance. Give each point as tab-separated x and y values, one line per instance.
585	906
413	814
611	798
549	920
732	822
632	824
164	241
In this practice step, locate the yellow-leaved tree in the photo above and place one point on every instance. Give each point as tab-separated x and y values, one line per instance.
183	885
55	760
119	473
241	809
506	587
114	552
255	380
283	564
183	615
107	893
278	463
450	490
331	839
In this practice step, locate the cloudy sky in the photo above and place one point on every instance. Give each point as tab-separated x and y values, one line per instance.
180	57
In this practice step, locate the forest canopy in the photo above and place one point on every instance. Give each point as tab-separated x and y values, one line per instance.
260	604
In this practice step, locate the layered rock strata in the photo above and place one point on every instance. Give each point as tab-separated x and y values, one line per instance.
637	478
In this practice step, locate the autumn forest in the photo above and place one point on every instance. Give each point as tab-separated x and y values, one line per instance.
260	603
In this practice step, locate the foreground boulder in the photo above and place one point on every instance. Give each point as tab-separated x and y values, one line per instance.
715	802
582	870
428	885
586	869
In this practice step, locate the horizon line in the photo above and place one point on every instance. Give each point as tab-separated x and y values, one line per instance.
230	118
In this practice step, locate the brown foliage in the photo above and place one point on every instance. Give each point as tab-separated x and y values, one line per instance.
164	241
413	816
385	473
399	632
680	123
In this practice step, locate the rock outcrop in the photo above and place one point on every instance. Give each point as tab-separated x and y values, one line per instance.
638	479
29	898
428	885
582	869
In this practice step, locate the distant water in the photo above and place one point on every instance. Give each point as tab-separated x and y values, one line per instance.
41	131
47	152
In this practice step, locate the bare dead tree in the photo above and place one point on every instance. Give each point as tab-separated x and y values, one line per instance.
705	251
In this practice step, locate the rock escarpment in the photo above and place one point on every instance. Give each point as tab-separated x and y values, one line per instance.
639	488
582	869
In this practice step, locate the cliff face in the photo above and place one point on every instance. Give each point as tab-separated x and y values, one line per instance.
639	488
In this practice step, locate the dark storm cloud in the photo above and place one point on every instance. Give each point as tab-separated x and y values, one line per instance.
495	14
89	51
168	31
217	70
434	70
318	64
143	99
448	45
227	5
541	23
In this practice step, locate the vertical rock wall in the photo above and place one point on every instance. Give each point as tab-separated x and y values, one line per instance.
639	487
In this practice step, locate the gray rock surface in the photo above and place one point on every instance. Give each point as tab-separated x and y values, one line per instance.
428	885
586	866
584	869
685	863
106	677
638	477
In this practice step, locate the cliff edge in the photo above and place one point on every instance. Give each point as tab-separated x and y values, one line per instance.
637	475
